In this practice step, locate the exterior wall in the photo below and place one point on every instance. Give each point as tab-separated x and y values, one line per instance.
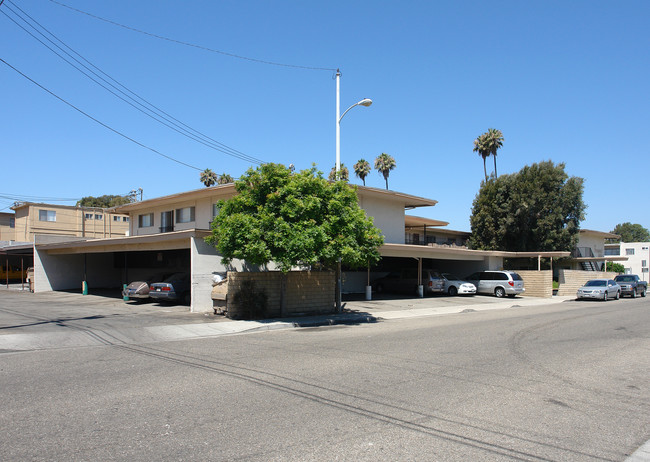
388	217
537	283
66	272
70	221
308	292
7	226
637	263
571	280
594	241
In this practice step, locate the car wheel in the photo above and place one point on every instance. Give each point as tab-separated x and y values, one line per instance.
605	296
633	294
643	293
500	292
618	294
453	291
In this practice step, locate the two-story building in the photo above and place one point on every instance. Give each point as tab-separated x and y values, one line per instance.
166	234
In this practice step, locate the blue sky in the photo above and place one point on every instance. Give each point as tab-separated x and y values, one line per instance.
564	81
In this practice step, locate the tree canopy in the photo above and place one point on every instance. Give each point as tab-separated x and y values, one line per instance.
384	163
105	202
294	219
537	209
631	232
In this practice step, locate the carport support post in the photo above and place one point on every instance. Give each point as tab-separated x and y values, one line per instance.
420	286
338	286
368	286
84	284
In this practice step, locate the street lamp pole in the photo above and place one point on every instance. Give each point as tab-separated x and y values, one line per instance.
364	102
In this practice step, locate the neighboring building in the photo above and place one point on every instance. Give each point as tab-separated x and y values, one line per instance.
590	253
637	254
166	233
7	226
33	219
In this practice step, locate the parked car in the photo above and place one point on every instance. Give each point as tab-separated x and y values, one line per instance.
406	281
631	285
456	286
600	289
499	283
139	290
174	288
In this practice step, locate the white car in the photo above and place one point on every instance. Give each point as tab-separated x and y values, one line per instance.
600	289
456	286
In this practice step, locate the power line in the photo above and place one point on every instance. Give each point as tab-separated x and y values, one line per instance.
156	113
100	122
212	50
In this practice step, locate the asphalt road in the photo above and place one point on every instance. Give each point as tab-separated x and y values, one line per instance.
568	381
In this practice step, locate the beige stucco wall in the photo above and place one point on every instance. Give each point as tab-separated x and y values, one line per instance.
308	292
388	217
537	283
571	280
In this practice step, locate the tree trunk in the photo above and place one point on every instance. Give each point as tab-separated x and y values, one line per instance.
485	170
495	166
283	294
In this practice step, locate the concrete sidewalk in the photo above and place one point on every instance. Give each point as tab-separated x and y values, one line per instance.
73	334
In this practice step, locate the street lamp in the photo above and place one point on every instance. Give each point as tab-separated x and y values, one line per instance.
364	102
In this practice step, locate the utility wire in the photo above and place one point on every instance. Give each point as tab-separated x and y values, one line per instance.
156	113
98	121
232	55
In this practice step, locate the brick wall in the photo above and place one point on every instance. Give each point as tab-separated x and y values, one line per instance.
308	292
571	280
537	283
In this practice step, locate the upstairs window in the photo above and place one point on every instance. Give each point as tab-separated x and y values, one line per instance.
88	216
47	215
629	251
12	222
145	221
185	215
99	217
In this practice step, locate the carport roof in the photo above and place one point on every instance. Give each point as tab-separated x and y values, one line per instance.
162	241
457	252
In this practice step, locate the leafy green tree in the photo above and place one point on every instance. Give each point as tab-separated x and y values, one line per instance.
344	174
224	178
615	267
537	209
362	169
208	178
384	164
106	201
631	232
294	219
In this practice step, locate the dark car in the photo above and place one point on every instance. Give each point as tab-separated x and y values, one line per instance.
174	288
139	290
406	281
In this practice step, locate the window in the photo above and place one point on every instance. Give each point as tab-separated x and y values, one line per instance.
98	217
12	222
125	219
145	221
215	210
47	215
88	216
116	218
629	251
644	263
185	215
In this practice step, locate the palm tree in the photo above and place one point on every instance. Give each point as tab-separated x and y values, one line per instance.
344	174
494	141
384	164
361	170
487	144
479	146
224	178
208	178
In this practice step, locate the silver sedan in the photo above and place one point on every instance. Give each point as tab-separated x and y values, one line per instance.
600	289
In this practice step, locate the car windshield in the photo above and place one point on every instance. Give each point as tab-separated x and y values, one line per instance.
624	279
596	283
450	277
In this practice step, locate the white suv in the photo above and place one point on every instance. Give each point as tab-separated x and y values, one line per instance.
499	283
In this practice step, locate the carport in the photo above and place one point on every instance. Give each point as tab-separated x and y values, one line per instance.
18	257
110	263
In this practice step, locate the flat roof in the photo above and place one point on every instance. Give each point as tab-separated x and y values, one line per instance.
228	190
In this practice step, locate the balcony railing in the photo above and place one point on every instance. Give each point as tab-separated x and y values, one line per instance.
583	252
